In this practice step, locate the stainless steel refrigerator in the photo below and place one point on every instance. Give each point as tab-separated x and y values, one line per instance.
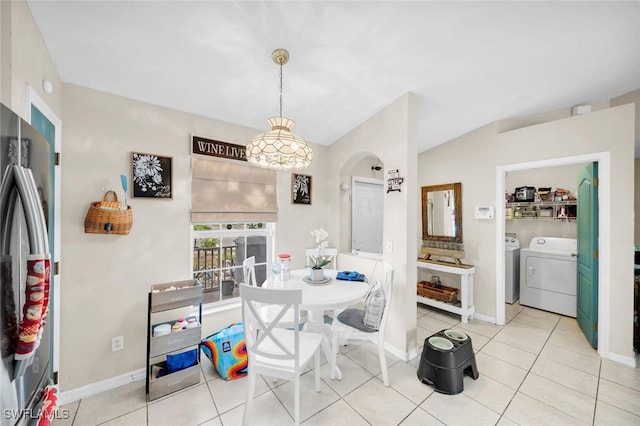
25	277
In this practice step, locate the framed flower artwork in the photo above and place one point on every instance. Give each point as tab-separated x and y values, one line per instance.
151	176
300	189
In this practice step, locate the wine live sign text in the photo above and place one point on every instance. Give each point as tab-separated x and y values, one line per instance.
213	148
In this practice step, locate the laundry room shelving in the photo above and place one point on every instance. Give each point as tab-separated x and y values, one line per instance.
542	210
162	298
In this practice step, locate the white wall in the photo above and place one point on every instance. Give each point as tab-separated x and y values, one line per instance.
30	61
295	221
472	159
621	100
107	277
5	53
397	122
627	98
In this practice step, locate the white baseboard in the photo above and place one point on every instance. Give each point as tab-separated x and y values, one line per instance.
486	318
76	394
72	395
413	353
404	356
622	359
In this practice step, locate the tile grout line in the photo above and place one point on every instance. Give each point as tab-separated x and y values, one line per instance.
479	349
595	406
547	344
206	382
530	372
353	390
525	376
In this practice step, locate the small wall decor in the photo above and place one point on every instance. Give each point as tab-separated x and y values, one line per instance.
108	216
300	189
151	176
394	181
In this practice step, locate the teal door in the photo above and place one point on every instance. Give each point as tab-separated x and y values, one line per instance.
588	252
47	129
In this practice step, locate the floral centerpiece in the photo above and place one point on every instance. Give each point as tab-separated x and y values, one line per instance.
318	259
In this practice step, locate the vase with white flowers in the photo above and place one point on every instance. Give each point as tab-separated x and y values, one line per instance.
318	259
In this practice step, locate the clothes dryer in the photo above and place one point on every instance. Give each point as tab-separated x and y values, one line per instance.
511	269
548	275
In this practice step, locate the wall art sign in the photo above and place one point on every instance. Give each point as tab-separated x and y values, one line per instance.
394	181
151	176
300	189
213	148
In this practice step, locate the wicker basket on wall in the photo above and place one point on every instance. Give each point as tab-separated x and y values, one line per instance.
105	217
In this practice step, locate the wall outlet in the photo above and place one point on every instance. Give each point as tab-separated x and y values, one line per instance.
117	343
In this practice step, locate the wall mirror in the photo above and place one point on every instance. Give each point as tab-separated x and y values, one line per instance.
442	212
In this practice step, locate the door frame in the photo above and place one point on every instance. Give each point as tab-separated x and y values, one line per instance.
33	98
604	240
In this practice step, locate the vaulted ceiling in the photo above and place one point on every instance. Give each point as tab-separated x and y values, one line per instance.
469	63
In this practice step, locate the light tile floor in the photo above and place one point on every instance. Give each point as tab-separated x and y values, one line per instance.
536	370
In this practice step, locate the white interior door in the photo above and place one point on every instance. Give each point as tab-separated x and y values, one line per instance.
366	215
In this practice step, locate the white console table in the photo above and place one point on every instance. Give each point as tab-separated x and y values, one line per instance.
466	308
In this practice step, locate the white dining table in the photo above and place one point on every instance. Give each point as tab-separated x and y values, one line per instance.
318	298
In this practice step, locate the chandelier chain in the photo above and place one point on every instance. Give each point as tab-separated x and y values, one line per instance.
280	89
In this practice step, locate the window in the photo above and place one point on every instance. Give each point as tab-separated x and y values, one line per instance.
219	250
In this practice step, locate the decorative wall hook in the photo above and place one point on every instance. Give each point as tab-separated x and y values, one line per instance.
394	181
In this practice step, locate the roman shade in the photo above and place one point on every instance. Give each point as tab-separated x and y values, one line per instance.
222	191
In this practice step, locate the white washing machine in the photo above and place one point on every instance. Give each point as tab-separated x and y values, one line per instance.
511	269
548	275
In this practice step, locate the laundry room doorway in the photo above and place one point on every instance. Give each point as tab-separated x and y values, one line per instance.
603	260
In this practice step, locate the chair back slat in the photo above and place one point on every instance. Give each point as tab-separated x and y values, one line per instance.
388	290
261	338
249	269
331	253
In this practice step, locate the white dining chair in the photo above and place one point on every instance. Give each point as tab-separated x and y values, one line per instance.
269	312
331	253
249	269
272	350
357	330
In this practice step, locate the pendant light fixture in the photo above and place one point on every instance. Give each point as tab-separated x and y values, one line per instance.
279	149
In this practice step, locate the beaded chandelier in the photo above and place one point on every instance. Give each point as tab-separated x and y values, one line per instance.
279	149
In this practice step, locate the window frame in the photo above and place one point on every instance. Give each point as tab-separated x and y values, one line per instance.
221	231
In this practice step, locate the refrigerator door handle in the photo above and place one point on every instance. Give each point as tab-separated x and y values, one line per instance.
7	203
38	241
19	178
39	248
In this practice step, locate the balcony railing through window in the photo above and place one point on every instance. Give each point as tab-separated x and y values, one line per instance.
218	257
210	263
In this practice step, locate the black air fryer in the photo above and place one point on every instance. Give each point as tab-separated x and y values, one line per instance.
525	193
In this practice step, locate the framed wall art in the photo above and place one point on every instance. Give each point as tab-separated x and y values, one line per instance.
300	189
152	176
